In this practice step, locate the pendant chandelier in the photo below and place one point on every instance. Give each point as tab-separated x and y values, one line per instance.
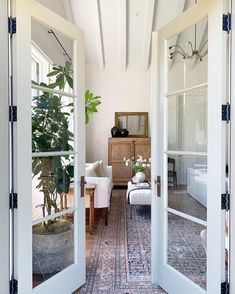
194	52
198	54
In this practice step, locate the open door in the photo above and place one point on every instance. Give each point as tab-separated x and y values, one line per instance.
4	151
49	150
189	166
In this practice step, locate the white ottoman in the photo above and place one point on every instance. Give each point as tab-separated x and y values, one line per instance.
138	195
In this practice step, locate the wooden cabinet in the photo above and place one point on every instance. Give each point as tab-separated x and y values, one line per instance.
126	147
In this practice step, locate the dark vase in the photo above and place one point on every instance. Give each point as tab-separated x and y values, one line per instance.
115	132
124	132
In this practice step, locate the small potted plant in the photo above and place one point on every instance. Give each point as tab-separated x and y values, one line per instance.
139	166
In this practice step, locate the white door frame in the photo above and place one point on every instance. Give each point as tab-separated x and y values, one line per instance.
4	151
216	139
24	10
232	177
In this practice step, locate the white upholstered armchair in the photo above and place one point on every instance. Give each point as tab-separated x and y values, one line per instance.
101	175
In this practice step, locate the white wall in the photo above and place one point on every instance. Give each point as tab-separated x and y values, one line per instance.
120	91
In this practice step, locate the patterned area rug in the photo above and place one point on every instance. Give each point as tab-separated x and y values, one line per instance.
185	250
120	257
119	262
138	243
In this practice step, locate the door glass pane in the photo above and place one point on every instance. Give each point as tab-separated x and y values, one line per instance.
187	248
53	247
187	185
52	122
51	48
186	106
187	121
52	185
53	127
187	62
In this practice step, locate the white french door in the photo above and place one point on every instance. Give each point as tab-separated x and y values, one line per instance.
4	150
49	140
188	134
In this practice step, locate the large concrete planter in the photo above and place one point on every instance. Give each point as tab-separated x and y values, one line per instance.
52	253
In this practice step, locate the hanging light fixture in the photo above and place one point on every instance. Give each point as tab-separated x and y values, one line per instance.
198	54
193	53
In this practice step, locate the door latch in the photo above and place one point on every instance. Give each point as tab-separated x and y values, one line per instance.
158	183
82	185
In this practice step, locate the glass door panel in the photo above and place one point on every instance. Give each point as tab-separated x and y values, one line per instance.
187	121
186	165
187	63
53	153
52	252
186	251
187	185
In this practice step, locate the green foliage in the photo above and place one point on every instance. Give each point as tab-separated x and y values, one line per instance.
91	104
50	133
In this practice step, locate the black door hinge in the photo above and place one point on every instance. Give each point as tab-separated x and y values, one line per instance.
13	200
225	201
13	286
225	288
12	113
227	22
226	110
11	25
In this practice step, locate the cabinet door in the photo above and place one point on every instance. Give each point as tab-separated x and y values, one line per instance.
143	148
118	149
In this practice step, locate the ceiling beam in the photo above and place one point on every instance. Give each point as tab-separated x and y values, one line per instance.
98	33
123	33
148	32
68	10
176	39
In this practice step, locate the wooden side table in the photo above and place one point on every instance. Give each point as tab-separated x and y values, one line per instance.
90	191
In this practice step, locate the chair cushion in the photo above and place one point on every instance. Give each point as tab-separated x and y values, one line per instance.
140	197
99	168
90	171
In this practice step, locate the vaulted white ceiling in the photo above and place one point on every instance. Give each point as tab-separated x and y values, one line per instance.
118	32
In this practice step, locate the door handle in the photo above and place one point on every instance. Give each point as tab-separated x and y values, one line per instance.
158	183
82	185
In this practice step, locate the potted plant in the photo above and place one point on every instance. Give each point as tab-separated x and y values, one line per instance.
138	165
50	133
53	239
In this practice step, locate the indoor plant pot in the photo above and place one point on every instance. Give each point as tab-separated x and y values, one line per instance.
52	252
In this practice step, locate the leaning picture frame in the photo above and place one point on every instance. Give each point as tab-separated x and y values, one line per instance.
135	122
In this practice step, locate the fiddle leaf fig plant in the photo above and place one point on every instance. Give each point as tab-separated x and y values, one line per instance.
51	115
